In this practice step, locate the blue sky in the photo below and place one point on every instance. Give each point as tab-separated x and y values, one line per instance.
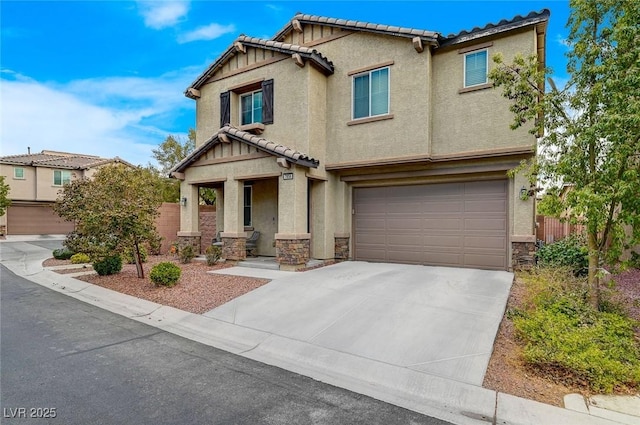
107	77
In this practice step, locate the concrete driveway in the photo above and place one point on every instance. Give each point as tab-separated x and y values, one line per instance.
436	320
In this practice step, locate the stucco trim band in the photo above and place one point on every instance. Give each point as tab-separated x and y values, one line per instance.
188	234
523	238
292	236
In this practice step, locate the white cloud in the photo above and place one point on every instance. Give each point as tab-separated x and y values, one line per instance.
162	14
562	41
208	32
125	117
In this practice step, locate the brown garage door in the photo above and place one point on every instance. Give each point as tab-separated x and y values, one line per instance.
450	224
35	220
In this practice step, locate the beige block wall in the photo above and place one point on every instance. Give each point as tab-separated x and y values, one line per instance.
404	135
477	120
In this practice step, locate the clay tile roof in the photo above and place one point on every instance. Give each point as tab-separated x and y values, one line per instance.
54	159
250	139
430	36
491	28
316	59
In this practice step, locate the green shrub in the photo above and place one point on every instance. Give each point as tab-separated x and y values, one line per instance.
186	254
108	265
80	258
166	274
155	245
568	252
62	254
128	254
635	260
212	254
565	334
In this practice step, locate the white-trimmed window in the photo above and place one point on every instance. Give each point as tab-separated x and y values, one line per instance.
371	93
61	177
475	68
247	205
18	173
251	107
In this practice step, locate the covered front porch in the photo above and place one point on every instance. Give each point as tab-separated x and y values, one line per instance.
260	187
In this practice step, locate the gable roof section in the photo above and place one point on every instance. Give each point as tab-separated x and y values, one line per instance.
504	25
429	36
260	143
316	59
64	160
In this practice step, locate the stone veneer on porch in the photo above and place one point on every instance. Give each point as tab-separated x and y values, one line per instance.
293	250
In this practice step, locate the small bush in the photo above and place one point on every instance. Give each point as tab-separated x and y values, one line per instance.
166	274
635	260
186	254
108	265
568	252
212	254
62	254
128	254
155	245
80	258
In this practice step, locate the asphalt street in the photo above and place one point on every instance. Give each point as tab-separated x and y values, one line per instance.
78	364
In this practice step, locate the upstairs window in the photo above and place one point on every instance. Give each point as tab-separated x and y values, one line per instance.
18	173
251	107
475	68
371	93
61	177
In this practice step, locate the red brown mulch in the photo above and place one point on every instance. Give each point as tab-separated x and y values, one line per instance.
197	291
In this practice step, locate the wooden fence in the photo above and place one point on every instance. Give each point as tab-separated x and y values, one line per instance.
551	229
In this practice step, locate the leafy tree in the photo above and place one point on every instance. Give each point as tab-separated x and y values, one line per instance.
113	211
4	192
173	150
168	154
590	130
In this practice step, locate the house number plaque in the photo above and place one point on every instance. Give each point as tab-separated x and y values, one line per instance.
287	176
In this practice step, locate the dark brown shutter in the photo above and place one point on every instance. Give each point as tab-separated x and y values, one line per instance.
225	109
267	102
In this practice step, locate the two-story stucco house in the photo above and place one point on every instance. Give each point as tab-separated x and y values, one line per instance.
34	182
350	140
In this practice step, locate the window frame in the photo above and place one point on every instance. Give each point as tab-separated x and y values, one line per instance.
62	179
248	205
486	67
15	176
369	72
247	94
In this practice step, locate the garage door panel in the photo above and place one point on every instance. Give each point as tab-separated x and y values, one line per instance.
448	224
443	241
36	220
485	206
485	242
485	224
442	223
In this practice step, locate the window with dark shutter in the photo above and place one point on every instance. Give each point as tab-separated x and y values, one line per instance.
225	109
267	102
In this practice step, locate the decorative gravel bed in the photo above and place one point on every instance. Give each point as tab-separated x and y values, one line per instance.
197	291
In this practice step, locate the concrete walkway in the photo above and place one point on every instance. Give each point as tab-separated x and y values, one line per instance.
412	388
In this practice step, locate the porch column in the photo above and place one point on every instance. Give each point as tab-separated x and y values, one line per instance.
189	233
292	239
234	237
219	209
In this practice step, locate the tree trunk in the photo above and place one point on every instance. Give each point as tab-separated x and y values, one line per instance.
136	255
594	260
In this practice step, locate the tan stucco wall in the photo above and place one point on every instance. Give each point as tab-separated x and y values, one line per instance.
404	135
37	184
477	120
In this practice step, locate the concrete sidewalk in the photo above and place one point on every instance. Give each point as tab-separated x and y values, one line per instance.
443	398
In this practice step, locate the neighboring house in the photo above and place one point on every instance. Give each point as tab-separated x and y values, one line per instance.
34	181
349	140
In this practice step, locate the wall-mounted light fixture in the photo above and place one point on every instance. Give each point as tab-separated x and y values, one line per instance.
183	202
524	193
